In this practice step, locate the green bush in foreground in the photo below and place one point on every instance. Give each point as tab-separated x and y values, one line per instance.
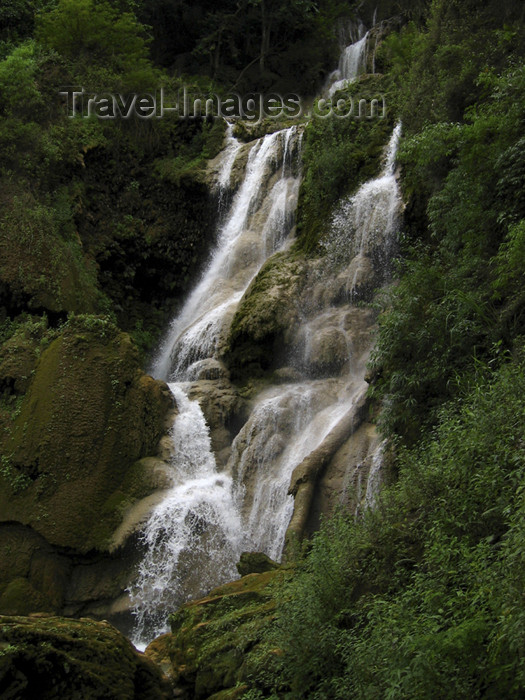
424	597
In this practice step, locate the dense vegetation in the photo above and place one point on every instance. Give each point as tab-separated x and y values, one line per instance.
423	597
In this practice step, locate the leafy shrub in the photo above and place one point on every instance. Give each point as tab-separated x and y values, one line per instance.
422	597
90	33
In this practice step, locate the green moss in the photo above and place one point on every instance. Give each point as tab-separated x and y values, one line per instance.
266	312
255	563
53	657
188	165
42	261
213	639
89	416
179	169
20	598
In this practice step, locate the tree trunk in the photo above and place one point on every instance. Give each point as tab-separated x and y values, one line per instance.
265	36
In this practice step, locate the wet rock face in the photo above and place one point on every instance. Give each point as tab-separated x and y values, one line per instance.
89	415
265	320
327	351
215	641
54	657
73	465
224	410
209	368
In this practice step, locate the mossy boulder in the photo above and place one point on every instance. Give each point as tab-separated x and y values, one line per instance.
20	597
23	341
255	563
148	220
54	658
70	467
263	325
214	641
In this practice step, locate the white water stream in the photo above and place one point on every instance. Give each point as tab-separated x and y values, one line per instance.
351	63
253	229
362	225
194	537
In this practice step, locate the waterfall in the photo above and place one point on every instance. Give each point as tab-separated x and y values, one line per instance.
192	539
374	477
195	536
197	331
290	422
287	424
362	225
352	60
229	156
351	63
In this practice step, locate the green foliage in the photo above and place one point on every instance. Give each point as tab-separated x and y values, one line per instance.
17	21
102	326
42	260
18	89
339	154
462	40
254	45
459	294
17	480
422	597
88	32
396	53
510	261
75	238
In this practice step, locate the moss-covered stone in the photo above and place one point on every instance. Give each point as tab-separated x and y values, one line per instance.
147	219
247	131
18	358
214	640
90	414
20	598
255	563
262	326
55	658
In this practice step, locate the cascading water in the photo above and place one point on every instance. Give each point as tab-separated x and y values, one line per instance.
290	422
352	59
374	477
196	332
351	63
362	225
208	517
192	539
196	525
195	536
230	154
287	424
